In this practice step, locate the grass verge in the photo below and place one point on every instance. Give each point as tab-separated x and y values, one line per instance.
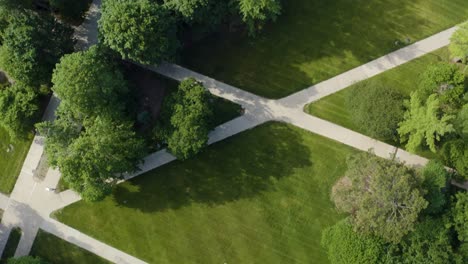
11	245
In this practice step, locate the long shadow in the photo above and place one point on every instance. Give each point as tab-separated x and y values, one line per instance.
311	41
236	168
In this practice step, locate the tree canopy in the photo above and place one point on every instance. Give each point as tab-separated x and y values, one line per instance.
344	246
255	13
32	45
88	83
140	30
18	109
376	109
460	215
436	182
383	197
424	122
459	42
186	116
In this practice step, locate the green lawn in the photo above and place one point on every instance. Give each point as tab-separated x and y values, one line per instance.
404	78
262	196
314	40
57	251
11	245
11	162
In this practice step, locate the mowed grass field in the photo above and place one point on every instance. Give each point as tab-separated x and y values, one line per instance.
57	251
315	40
262	196
404	78
11	162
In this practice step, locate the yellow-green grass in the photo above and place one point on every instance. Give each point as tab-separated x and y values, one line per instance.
262	196
11	162
314	40
58	251
404	78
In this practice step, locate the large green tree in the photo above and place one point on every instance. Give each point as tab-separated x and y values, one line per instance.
18	109
345	246
141	30
436	182
455	155
383	197
459	42
98	158
32	45
424	122
186	116
460	215
89	83
376	109
255	13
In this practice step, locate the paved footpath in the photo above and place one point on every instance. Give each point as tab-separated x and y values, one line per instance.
29	206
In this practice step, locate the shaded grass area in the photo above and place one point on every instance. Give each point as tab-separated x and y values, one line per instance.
315	40
262	196
11	245
404	78
12	161
58	251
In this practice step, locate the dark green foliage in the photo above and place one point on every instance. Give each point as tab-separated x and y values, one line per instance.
455	155
94	162
140	30
32	45
344	246
430	242
26	260
186	118
255	13
71	9
89	84
383	197
377	109
436	182
18	109
460	215
447	81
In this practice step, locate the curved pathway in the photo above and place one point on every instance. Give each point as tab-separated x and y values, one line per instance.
30	206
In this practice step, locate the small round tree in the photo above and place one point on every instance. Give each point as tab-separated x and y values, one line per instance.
141	30
376	109
459	43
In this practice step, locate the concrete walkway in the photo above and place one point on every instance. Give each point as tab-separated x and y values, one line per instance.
29	206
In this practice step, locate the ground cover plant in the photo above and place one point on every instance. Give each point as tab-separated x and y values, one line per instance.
314	40
54	250
262	195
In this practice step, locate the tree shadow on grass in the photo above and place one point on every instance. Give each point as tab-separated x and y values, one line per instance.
237	168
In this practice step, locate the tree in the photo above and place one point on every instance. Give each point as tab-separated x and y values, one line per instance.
447	81
186	115
18	109
100	156
424	122
70	9
378	110
459	43
436	182
89	83
383	197
140	30
26	260
455	155
255	13
430	242
32	45
460	215
345	246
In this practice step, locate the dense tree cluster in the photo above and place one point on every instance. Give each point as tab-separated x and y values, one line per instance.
397	215
146	31
93	141
185	119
